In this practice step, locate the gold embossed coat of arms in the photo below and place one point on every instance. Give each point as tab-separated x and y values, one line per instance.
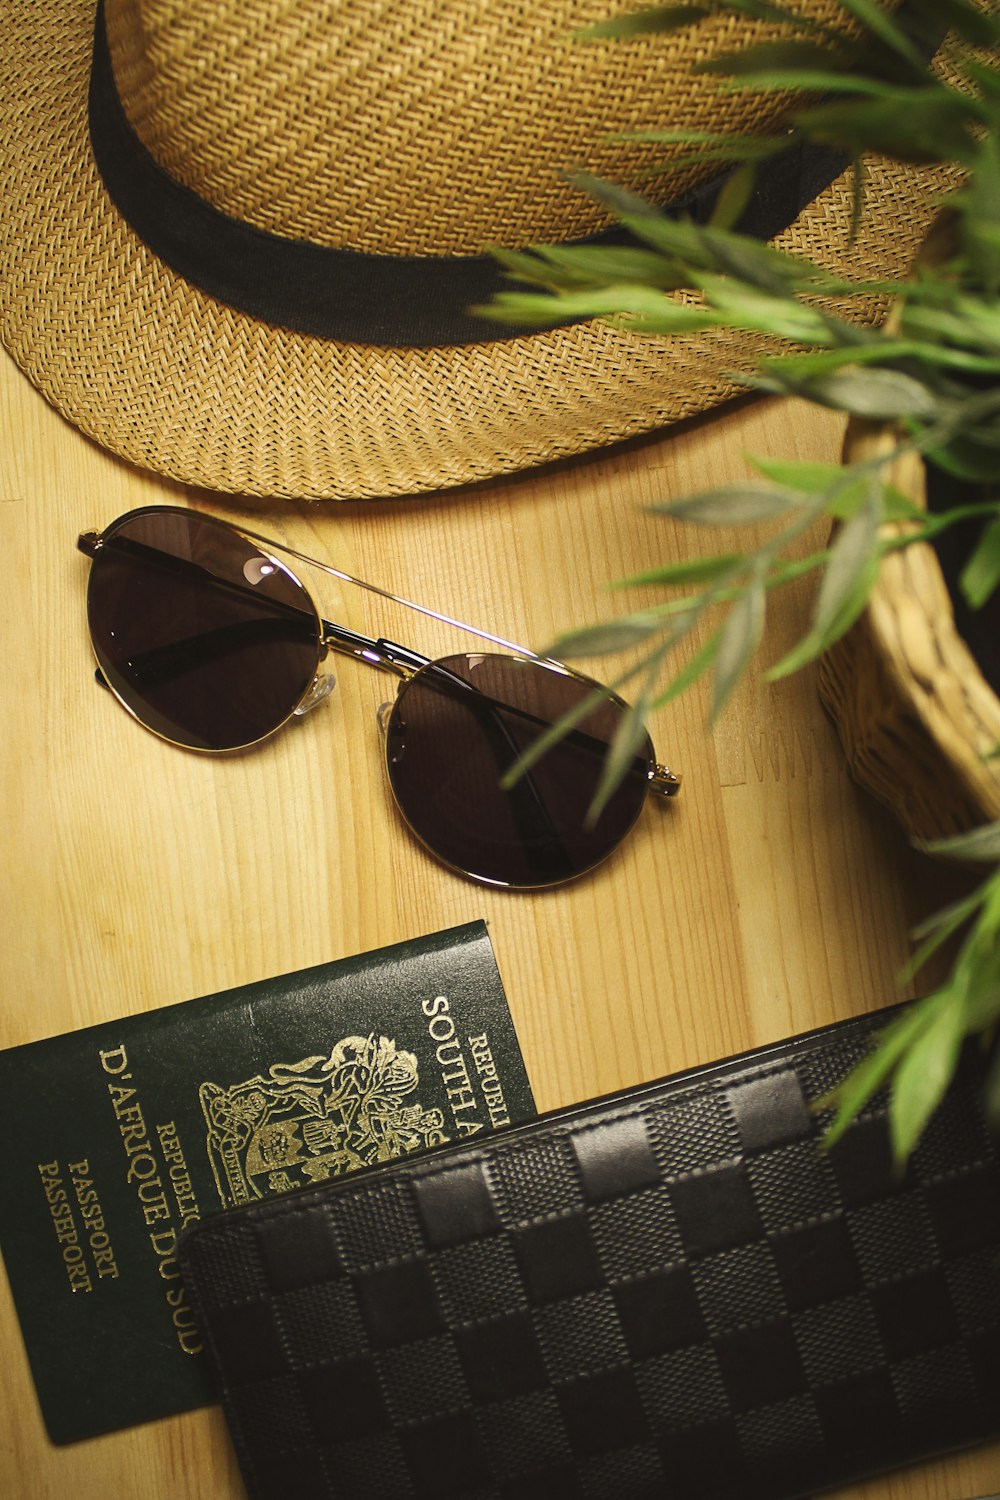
316	1118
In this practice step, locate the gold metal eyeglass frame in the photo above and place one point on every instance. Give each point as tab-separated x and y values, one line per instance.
402	661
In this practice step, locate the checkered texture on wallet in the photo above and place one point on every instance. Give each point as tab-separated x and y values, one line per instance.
672	1293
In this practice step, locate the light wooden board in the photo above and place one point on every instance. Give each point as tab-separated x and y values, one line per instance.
770	897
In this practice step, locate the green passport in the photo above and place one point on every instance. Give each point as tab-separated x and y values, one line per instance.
119	1135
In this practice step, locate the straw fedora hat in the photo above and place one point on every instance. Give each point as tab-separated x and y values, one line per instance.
239	238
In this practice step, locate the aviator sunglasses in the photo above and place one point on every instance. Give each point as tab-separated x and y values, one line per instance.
210	641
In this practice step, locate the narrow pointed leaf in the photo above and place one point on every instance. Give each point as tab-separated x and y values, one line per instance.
628	736
618	200
816	641
607	638
748	305
980	844
618	300
850	558
762	57
981	219
712	145
732	505
690	672
658	19
983	987
981	574
923	1075
979	27
880	395
769	10
599	264
867	1077
734	195
680	574
797	473
551	736
876	19
738	640
936	930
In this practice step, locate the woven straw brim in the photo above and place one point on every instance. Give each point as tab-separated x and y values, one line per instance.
177	383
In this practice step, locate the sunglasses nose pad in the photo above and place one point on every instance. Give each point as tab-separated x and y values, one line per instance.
384	713
393	732
322	686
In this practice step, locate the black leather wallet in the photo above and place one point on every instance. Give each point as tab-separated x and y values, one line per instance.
672	1293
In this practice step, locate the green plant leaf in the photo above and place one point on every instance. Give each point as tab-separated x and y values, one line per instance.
635	306
844	84
965	457
845	499
967	321
714	249
850	559
885	352
865	1079
923	1074
606	639
877	20
970	22
981	219
713	145
734	195
936	930
979	845
816	640
981	574
935	129
593	265
738	640
556	732
625	205
656	20
628	736
879	395
985	78
798	473
745	303
681	574
841	488
732	505
982	981
698	664
789	56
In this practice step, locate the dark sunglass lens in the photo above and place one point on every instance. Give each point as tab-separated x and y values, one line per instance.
460	723
206	639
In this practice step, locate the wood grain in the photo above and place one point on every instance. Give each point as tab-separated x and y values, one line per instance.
770	897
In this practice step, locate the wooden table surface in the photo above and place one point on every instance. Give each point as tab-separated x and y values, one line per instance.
770	897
